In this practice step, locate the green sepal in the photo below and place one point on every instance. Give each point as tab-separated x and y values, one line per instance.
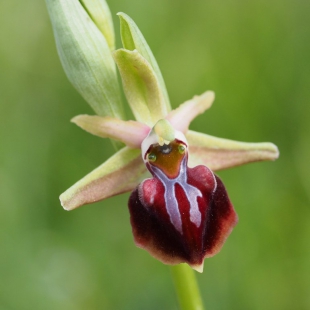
133	39
86	57
218	153
141	87
119	174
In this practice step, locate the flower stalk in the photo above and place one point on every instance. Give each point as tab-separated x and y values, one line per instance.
186	287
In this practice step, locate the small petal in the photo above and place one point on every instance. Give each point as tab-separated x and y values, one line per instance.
100	14
129	132
133	39
218	153
141	87
182	116
119	174
85	56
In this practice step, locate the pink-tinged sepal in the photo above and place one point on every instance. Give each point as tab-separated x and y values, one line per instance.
181	214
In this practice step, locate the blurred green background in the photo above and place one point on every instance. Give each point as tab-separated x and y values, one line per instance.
256	56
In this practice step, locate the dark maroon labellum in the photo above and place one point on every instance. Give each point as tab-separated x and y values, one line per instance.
181	214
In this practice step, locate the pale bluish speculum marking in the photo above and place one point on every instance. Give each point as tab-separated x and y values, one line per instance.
171	202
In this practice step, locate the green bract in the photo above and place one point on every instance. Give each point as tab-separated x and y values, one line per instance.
85	54
99	12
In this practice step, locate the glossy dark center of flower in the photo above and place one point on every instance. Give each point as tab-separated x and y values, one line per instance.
166	148
167	158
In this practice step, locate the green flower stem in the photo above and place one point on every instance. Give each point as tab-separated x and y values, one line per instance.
186	287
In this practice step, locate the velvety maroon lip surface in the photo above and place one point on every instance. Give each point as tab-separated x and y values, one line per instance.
162	213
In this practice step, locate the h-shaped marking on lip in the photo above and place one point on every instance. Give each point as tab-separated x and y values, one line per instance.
171	202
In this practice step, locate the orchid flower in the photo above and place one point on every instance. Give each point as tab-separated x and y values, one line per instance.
179	209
